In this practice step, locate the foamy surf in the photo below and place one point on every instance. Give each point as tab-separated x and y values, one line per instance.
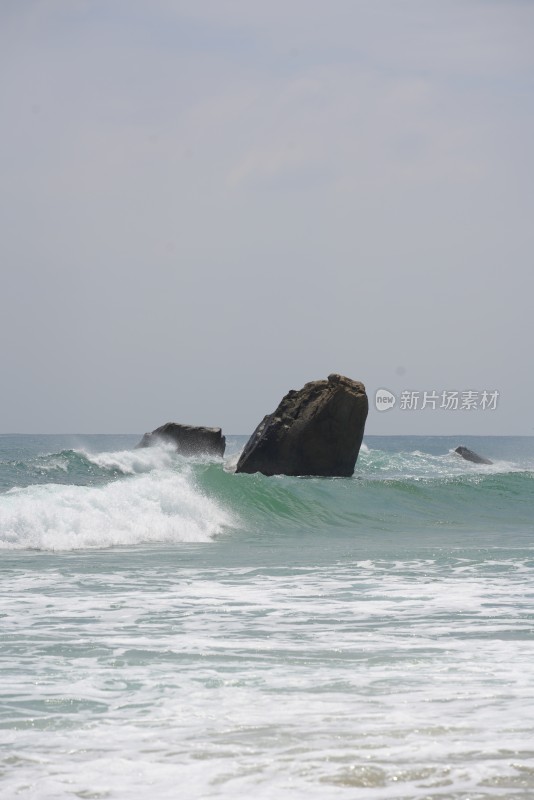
162	506
417	464
363	637
131	462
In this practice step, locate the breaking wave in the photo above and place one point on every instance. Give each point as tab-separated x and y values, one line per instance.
129	497
75	499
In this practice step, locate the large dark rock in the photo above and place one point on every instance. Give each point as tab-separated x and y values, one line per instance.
470	455
188	439
317	430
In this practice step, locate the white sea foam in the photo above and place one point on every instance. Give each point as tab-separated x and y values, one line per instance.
130	462
420	465
401	679
161	506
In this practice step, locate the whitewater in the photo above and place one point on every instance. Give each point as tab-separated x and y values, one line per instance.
173	630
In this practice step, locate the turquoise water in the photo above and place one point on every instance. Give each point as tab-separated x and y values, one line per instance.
173	630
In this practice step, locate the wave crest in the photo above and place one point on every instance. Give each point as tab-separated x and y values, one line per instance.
163	506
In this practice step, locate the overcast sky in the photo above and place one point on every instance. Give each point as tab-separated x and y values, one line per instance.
207	203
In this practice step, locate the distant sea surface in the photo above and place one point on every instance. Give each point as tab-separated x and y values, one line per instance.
169	629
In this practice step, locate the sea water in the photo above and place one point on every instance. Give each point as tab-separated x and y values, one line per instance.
170	629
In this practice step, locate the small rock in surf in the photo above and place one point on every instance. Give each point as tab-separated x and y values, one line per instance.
470	455
188	439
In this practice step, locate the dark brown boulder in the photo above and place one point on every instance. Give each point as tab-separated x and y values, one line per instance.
470	455
317	430
188	439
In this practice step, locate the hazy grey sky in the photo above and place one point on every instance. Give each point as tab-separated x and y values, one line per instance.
205	204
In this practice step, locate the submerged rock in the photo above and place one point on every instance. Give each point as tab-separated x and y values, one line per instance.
317	430
188	439
470	455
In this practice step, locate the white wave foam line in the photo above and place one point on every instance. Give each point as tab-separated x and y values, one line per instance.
417	465
159	507
130	462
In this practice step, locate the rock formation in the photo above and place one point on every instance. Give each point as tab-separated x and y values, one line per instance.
317	430
470	455
188	439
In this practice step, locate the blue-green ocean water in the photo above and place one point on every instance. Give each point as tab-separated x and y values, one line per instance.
169	629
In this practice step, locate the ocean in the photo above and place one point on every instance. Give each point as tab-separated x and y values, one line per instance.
172	630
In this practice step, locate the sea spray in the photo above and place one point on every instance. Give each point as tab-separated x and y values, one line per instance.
162	506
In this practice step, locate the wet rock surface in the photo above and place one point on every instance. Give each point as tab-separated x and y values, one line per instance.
189	439
316	430
470	455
